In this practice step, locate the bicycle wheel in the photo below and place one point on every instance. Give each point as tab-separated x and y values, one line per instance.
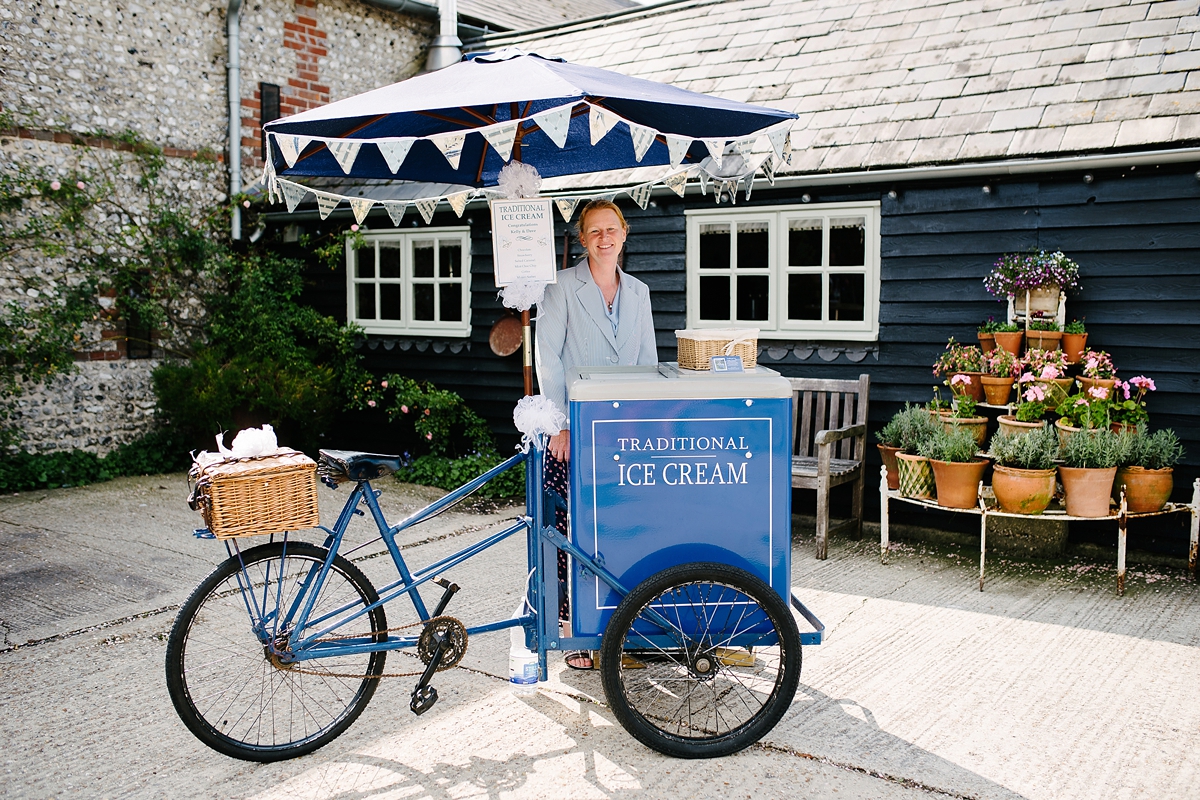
228	688
700	660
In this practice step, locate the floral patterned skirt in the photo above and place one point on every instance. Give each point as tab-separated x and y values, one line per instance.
557	478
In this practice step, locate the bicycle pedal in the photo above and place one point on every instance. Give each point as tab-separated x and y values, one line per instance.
423	699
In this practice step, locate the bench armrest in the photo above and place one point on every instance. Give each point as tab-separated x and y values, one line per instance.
848	432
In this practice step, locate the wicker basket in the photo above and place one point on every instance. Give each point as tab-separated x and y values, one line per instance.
697	347
257	496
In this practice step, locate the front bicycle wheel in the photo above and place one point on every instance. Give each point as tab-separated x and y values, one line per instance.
227	670
700	660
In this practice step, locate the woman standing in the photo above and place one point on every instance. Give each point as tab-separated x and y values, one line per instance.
595	315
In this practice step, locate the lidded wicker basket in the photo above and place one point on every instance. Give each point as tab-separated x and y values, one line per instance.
258	495
696	347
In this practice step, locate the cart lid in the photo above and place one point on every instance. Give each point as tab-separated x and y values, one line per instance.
667	381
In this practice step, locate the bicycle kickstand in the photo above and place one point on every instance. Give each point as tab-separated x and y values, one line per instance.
424	695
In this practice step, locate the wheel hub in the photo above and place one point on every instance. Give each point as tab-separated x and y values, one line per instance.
704	666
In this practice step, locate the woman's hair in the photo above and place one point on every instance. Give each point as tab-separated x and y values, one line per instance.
599	205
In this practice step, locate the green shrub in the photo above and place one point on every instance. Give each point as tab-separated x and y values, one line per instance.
1094	449
1157	450
957	445
155	453
1033	450
1075	326
914	424
1043	325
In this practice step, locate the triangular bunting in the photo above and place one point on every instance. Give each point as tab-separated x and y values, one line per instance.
555	123
601	122
749	185
716	149
703	182
777	137
566	207
395	210
326	203
640	195
394	151
768	168
361	206
427	207
744	147
290	147
293	193
458	202
451	146
501	138
677	146
731	187
677	183
344	151
642	138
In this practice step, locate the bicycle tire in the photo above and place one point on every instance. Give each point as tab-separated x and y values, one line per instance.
719	679
226	688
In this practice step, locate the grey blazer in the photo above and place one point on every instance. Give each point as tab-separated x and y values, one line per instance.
573	330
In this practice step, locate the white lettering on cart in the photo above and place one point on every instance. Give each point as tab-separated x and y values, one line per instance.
681	443
675	473
636	474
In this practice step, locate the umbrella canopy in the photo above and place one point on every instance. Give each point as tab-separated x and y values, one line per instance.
461	124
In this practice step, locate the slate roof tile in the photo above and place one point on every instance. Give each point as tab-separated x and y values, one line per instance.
1073	22
1104	89
1151	27
1038	140
1104	33
955	106
892	154
1181	103
1158	84
985	84
1028	78
1187	128
1122	108
1090	137
1131	13
1109	50
936	151
1193	82
1053	95
1128	67
1181	62
874	132
1145	131
947	88
1068	114
1063	56
964	124
1164	44
901	93
1013	98
846	157
1178	8
1016	119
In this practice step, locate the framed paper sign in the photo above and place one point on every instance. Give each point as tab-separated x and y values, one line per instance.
522	241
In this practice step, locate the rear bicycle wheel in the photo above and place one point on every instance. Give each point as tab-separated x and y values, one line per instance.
239	697
700	660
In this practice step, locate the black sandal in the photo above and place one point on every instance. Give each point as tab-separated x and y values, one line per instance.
580	659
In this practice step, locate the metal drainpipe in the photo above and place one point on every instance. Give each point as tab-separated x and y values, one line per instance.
446	48
233	33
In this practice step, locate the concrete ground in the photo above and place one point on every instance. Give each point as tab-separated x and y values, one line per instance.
1047	685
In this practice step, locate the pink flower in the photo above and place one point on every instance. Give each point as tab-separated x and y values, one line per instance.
245	203
1081	402
963	379
371	403
1091	363
383	384
1026	378
354	227
404	409
1143	383
1035	392
429	436
79	184
1098	392
55	186
427	412
1049	372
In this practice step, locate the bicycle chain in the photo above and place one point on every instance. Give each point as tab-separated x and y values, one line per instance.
449	661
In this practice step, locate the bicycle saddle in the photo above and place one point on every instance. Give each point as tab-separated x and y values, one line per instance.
352	465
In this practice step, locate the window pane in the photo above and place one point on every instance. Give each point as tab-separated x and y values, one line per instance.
366	261
365	307
847	242
423	260
450	301
804	296
423	301
804	243
389	301
389	259
752	245
846	293
753	297
714	246
449	260
714	297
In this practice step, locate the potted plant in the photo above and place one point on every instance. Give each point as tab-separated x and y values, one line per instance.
1128	406
963	414
915	476
956	468
1001	369
1043	334
889	437
1048	365
1009	336
987	335
1098	369
1089	466
1023	475
1074	340
961	359
1037	398
1147	471
1088	409
1033	280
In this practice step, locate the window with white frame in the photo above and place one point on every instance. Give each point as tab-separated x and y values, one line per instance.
412	282
793	272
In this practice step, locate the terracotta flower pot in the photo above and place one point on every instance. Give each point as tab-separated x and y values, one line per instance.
997	390
888	454
1119	427
958	483
1043	340
1065	431
1010	341
1106	383
1010	424
974	389
1088	491
916	477
1023	491
1074	345
1146	490
987	342
978	426
1042	299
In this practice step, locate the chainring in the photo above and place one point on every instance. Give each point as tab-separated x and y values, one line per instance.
455	634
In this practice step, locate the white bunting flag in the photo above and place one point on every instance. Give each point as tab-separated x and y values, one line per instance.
344	151
703	182
749	185
427	207
744	147
555	123
566	207
361	206
458	202
326	203
394	151
501	138
768	168
642	138
778	138
290	147
677	183
451	146
395	210
601	122
640	195
716	149
293	193
731	187
677	146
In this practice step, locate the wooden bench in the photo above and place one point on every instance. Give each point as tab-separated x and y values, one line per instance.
829	442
